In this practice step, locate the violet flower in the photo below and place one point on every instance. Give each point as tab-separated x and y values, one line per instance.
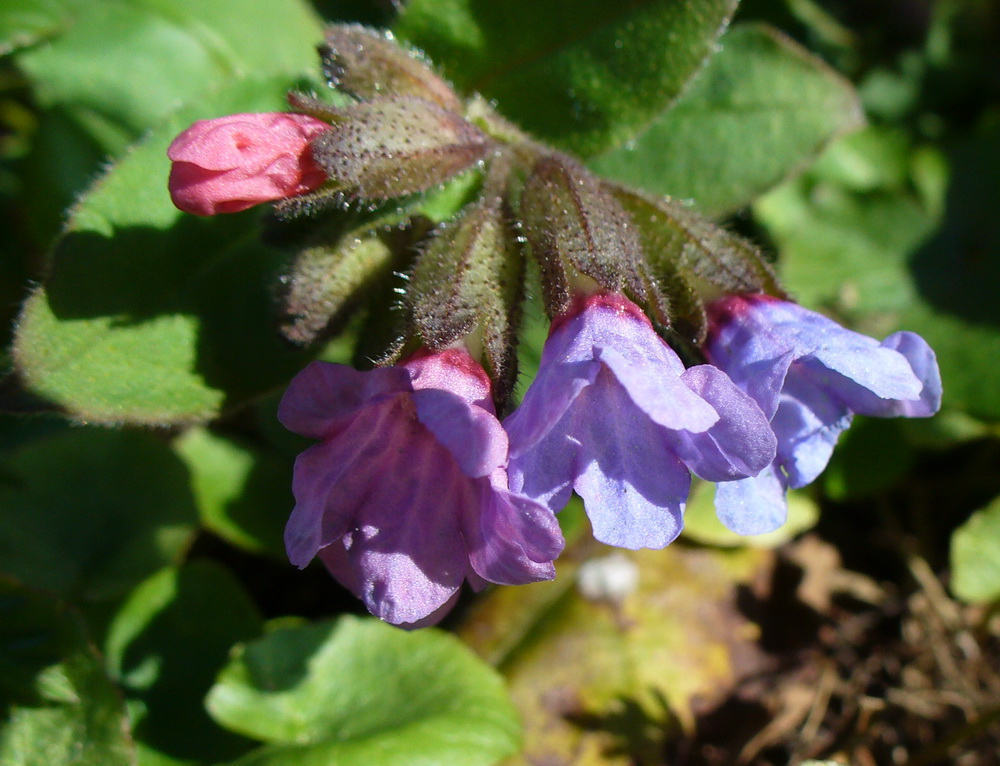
614	415
809	375
235	162
406	497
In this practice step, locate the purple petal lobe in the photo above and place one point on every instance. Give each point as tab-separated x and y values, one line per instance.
404	547
807	425
513	540
321	400
633	487
923	362
474	436
546	471
913	389
657	390
331	481
552	392
740	444
752	506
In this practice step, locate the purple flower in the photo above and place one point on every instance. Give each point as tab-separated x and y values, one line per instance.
614	415
406	497
809	375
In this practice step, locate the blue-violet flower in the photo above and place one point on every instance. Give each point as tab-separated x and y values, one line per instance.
809	375
406	496
614	415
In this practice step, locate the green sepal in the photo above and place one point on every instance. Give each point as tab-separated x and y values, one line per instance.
326	282
368	65
468	280
689	256
575	227
390	148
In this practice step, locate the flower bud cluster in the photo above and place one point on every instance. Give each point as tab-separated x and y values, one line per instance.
672	351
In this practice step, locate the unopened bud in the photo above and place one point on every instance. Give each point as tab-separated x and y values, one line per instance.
369	65
383	149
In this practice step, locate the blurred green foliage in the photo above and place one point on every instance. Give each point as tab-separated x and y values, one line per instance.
158	544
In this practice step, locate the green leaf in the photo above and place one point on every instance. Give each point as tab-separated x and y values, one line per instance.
24	22
166	645
586	75
762	109
361	691
243	494
61	707
150	315
975	556
89	513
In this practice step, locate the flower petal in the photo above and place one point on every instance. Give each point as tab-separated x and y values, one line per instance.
910	386
546	471
633	487
405	550
807	425
512	540
657	390
323	398
331	480
752	506
551	393
474	436
740	444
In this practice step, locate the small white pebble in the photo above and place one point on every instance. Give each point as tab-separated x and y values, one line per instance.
608	578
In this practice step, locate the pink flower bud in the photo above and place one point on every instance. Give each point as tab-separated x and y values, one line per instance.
231	163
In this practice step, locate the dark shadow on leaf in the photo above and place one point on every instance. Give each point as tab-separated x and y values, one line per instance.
183	653
214	270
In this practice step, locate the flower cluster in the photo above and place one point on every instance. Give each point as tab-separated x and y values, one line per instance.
415	485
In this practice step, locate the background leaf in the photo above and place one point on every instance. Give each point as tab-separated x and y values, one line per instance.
584	74
243	493
23	22
862	244
150	315
61	707
975	556
166	645
361	691
88	513
762	109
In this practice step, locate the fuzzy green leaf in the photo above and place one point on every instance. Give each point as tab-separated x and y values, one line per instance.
240	491
24	22
172	50
762	109
361	691
584	74
151	315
